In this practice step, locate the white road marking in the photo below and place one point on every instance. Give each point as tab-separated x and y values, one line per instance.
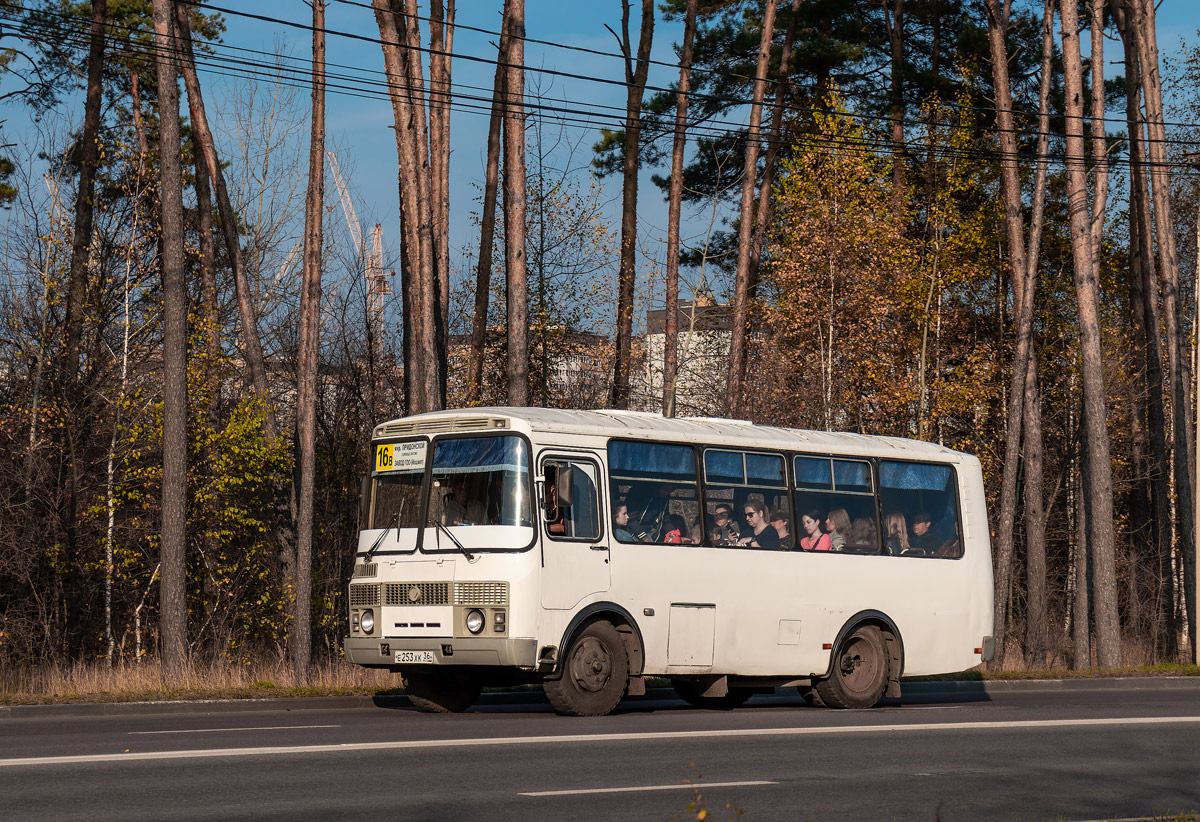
223	730
376	747
635	788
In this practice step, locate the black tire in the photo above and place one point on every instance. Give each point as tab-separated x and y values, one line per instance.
594	674
860	671
691	692
442	692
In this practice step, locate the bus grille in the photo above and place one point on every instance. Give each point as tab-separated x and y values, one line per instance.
445	593
363	596
441	426
480	593
369	569
416	593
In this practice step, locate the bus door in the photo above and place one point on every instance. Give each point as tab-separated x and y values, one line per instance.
575	557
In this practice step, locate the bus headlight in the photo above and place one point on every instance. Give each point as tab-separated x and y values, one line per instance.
475	621
367	621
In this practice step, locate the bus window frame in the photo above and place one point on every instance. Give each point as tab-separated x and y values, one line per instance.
427	490
421	501
551	454
958	509
697	463
788	492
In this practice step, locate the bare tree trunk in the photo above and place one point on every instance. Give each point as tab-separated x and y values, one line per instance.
487	227
208	273
307	355
1023	293
635	84
1098	488
139	127
174	480
424	335
81	240
1036	615
441	41
251	342
762	214
1081	658
1147	325
894	20
1143	25
514	207
741	296
674	207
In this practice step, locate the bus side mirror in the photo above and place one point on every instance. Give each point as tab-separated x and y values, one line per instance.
566	485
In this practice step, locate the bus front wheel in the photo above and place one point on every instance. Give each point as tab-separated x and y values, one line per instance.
442	692
860	671
594	675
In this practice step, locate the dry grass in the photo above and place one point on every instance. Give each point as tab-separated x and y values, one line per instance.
148	681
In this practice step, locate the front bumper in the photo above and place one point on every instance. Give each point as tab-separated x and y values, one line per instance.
505	652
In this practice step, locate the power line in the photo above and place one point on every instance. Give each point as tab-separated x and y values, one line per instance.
481	104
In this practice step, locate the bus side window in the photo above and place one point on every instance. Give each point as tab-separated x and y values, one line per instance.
652	483
579	516
920	505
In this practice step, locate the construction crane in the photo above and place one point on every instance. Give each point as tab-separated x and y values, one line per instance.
379	283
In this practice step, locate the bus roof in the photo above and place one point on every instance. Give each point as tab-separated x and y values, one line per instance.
651	425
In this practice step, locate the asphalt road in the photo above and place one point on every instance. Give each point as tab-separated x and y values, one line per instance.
1110	753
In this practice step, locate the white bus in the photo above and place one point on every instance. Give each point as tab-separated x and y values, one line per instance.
589	550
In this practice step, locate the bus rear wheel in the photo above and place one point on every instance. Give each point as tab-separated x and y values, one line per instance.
594	675
442	692
860	671
692	693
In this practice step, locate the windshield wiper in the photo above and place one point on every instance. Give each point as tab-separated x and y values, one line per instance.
375	545
470	557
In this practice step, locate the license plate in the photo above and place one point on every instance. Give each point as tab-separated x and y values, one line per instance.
414	657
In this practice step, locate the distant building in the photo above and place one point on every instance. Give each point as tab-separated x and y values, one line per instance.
577	368
703	358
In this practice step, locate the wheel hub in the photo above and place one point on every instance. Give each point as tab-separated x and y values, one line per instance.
591	665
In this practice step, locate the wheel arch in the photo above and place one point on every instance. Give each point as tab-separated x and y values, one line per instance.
621	619
892	639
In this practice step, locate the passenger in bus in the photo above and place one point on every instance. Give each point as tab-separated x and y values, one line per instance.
923	538
838	526
621	524
723	532
896	529
862	534
816	540
675	530
647	508
460	507
781	522
762	534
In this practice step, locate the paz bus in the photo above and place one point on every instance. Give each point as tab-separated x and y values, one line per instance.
590	550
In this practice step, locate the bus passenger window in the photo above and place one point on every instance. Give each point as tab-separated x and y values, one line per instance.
657	485
746	500
838	494
920	502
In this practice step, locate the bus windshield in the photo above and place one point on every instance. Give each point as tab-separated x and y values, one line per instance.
476	481
480	481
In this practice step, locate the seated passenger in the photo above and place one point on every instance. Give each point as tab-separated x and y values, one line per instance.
781	522
675	530
762	535
862	534
459	507
838	525
923	539
724	532
816	539
621	525
895	528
